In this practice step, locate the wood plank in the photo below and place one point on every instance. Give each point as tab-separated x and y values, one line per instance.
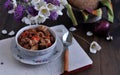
105	62
2	2
108	59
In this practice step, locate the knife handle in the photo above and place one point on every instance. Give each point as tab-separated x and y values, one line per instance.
66	60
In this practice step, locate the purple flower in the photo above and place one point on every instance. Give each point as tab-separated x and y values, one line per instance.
53	15
26	0
32	11
54	2
8	5
19	11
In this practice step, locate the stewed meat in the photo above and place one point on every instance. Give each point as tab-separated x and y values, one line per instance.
36	38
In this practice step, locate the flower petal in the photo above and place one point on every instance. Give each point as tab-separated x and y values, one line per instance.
4	31
11	11
63	2
14	3
11	33
93	51
51	6
89	33
35	2
94	47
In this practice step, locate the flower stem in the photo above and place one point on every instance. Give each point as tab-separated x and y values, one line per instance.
71	14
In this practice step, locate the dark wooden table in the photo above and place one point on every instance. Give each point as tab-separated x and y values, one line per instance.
105	62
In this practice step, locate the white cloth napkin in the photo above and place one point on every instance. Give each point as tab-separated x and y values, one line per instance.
77	58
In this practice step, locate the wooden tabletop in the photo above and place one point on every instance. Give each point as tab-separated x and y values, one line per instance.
105	62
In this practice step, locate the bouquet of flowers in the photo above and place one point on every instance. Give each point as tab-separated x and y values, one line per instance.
35	11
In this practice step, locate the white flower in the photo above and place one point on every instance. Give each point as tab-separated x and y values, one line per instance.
59	12
39	19
51	6
34	2
63	2
39	5
44	12
14	3
94	47
26	20
29	20
59	9
42	8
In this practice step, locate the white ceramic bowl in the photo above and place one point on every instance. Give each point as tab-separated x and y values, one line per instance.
47	51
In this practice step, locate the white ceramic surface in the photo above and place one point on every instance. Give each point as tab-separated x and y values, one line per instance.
25	51
38	59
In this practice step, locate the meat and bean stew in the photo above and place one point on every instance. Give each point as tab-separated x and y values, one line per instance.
36	38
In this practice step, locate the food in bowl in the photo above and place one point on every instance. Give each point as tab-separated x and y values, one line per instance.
84	4
85	8
36	38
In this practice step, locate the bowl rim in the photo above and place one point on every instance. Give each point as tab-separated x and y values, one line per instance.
34	26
